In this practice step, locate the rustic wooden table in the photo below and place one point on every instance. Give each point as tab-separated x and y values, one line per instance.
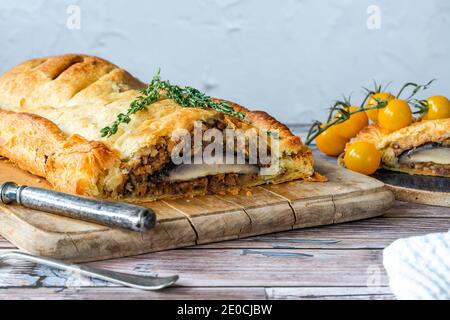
331	262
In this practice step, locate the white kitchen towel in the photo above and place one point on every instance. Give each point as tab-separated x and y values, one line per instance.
419	267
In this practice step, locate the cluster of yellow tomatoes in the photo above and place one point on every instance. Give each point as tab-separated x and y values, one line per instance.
364	157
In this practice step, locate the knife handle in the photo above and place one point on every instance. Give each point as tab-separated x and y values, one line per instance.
113	214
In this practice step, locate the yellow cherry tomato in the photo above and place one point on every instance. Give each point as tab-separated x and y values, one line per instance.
350	128
330	142
372	102
396	115
362	157
438	108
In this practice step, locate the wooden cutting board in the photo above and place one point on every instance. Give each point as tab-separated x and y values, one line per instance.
430	190
345	197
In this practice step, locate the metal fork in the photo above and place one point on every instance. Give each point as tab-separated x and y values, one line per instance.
129	280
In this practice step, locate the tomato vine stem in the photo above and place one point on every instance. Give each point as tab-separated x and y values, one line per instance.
342	108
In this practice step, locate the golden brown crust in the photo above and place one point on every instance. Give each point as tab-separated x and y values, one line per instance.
71	164
393	144
262	120
52	111
290	144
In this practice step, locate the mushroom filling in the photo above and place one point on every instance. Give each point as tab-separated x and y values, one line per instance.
156	174
430	152
193	171
174	180
430	158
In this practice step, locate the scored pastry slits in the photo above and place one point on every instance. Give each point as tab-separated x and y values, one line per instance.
52	111
420	148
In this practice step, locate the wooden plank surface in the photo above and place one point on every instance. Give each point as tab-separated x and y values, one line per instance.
227	293
111	293
368	234
330	293
413	210
330	262
227	267
346	196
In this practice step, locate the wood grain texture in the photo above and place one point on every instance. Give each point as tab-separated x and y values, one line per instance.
119	293
366	234
345	197
221	293
330	293
421	196
327	278
223	268
414	210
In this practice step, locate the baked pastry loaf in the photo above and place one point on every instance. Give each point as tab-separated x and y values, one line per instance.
421	148
52	111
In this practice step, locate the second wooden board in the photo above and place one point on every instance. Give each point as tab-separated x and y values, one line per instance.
417	189
345	197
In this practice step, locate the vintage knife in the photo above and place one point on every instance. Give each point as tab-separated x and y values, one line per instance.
130	280
113	214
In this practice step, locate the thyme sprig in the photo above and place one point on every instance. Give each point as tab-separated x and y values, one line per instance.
342	108
187	97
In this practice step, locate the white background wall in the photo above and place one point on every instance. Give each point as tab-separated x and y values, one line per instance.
291	58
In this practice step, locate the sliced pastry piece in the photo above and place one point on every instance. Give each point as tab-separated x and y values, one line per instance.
422	148
53	110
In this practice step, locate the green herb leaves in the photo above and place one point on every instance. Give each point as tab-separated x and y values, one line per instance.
187	97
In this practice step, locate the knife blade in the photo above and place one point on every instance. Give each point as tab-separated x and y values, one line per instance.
108	213
399	179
